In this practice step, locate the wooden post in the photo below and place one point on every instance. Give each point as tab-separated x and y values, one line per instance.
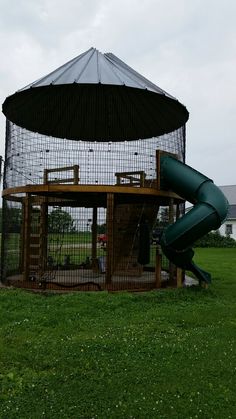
45	176
158	267
158	169
179	272
26	236
110	237
94	238
177	211
160	153
76	174
172	268
43	235
22	232
179	276
171	211
142	179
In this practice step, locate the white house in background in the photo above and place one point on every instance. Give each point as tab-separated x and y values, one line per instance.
228	228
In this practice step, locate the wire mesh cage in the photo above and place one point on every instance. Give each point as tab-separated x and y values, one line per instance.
86	215
28	154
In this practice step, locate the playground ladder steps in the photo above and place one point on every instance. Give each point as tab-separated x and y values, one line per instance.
36	239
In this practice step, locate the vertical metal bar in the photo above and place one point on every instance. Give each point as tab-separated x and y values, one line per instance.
110	237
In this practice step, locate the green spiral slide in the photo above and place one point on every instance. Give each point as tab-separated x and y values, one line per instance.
210	208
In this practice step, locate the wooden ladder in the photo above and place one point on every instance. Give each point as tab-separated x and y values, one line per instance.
35	251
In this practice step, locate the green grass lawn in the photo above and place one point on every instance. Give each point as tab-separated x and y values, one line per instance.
162	354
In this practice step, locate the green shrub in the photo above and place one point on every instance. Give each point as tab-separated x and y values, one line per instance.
215	240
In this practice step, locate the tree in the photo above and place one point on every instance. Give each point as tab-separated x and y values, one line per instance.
15	214
214	239
60	221
101	228
12	219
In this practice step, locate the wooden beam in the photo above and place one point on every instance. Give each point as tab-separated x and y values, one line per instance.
136	178
45	176
40	189
22	232
124	174
160	153
43	235
76	174
74	180
110	237
61	180
14	198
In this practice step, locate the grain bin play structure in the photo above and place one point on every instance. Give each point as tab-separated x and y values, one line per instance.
96	149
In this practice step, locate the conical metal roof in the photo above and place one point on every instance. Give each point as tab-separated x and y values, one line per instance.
93	67
95	96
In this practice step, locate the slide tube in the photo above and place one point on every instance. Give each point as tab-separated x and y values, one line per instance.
208	213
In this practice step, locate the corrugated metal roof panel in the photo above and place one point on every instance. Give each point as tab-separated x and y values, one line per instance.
136	77
93	67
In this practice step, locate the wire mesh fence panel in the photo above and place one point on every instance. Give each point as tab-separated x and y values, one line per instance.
68	239
28	154
12	235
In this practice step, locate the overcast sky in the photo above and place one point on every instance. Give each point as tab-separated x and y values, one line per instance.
186	47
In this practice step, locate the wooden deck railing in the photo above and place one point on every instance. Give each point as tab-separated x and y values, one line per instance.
74	179
130	178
